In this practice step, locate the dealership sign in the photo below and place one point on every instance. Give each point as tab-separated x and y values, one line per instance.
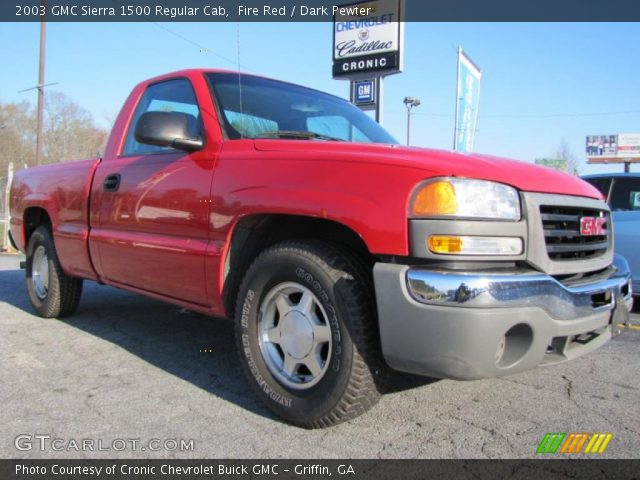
367	38
364	92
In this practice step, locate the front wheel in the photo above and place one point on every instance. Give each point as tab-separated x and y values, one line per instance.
306	333
52	293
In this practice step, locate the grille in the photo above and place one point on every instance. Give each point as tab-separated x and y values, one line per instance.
561	227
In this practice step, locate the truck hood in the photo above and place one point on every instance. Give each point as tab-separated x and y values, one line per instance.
521	175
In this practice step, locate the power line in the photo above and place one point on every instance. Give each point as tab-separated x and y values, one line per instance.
38	87
530	115
559	115
444	115
204	49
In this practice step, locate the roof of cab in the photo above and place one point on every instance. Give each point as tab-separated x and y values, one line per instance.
612	175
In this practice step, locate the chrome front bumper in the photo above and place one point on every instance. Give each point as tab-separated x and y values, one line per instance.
523	289
469	325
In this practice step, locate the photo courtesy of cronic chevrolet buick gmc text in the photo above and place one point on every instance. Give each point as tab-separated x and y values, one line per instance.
340	256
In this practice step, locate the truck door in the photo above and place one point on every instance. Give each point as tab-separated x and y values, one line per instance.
152	230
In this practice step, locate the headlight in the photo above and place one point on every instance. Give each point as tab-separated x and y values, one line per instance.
464	198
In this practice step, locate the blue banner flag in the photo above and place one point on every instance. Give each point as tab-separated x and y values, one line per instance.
467	102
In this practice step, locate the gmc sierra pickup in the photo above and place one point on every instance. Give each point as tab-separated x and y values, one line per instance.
340	255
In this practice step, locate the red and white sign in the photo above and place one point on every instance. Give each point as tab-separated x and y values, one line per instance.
629	145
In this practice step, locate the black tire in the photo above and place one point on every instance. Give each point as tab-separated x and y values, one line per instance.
62	294
341	285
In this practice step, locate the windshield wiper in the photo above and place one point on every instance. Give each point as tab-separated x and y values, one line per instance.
297	134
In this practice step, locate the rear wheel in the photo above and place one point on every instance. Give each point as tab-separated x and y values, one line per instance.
306	333
51	292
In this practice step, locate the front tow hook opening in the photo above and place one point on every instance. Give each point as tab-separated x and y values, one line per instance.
602	299
625	290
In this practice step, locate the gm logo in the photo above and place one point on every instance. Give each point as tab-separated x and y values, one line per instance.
364	92
574	443
590	226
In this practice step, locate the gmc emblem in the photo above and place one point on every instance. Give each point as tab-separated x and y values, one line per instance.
590	226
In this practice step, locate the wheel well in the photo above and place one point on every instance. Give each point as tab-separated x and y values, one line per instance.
254	233
33	218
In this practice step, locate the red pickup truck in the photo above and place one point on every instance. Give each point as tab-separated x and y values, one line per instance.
340	255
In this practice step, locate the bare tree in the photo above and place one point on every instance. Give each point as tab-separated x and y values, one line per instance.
564	152
70	132
17	134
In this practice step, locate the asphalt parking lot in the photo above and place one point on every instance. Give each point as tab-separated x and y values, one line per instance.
128	368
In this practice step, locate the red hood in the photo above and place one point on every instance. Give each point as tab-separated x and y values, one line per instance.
522	175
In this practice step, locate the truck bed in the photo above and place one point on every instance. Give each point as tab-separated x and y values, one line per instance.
62	190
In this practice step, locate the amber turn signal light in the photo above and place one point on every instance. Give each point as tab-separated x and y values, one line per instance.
443	244
436	198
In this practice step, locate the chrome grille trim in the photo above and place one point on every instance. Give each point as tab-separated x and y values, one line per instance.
561	225
554	244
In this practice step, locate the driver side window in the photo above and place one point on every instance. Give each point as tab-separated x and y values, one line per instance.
170	96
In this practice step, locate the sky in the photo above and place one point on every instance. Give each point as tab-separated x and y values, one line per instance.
542	82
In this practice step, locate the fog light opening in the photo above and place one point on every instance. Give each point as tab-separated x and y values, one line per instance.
514	345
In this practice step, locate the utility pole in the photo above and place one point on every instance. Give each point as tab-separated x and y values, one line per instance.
40	87
39	121
410	102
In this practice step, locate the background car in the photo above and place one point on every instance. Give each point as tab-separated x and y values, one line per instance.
622	192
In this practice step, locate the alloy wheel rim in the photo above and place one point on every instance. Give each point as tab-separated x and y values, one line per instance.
40	272
294	335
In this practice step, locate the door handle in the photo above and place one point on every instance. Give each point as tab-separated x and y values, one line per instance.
111	183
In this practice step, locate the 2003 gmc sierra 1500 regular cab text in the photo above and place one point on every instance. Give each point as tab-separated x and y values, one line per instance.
339	255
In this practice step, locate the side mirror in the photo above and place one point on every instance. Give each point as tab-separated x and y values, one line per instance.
168	129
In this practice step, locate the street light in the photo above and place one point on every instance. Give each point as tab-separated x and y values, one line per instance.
410	102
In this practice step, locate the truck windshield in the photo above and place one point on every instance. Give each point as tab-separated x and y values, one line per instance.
626	194
255	107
